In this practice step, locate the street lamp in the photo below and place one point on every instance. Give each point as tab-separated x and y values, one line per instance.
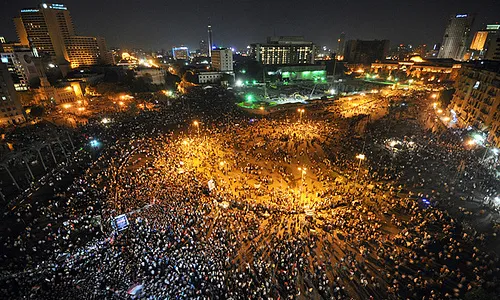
301	111
494	150
361	157
303	172
197	125
471	142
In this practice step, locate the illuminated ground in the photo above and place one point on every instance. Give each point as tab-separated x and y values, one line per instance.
263	161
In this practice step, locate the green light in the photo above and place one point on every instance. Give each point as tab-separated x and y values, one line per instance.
243	71
246	82
254	82
249	97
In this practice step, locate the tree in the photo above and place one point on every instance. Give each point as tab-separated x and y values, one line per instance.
171	81
478	294
37	111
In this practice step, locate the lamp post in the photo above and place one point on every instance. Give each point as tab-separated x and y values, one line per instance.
303	172
197	125
301	111
361	157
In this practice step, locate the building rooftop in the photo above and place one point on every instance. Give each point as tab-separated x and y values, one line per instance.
487	65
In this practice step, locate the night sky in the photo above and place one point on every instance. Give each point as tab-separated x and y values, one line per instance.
156	24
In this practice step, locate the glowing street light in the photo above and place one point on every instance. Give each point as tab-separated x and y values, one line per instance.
471	142
361	157
301	111
197	125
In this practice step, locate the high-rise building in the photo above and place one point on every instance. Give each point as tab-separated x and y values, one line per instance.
341	45
210	40
455	37
88	51
365	52
20	64
479	40
476	101
203	48
180	53
49	29
493	51
11	111
46	28
222	60
285	50
485	43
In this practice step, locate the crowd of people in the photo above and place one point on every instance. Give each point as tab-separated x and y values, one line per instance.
293	214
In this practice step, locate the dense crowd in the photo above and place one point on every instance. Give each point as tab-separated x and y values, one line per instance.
340	229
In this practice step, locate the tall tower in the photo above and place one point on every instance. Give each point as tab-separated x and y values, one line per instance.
47	28
455	37
210	41
341	45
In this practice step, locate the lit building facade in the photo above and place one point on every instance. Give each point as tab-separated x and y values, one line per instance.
49	29
476	101
479	40
11	111
222	60
56	95
46	28
432	70
210	77
88	51
486	43
156	75
20	64
455	37
285	50
180	53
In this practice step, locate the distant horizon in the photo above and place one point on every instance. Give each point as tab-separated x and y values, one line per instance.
158	25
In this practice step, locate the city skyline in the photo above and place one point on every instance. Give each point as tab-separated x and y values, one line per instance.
239	24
